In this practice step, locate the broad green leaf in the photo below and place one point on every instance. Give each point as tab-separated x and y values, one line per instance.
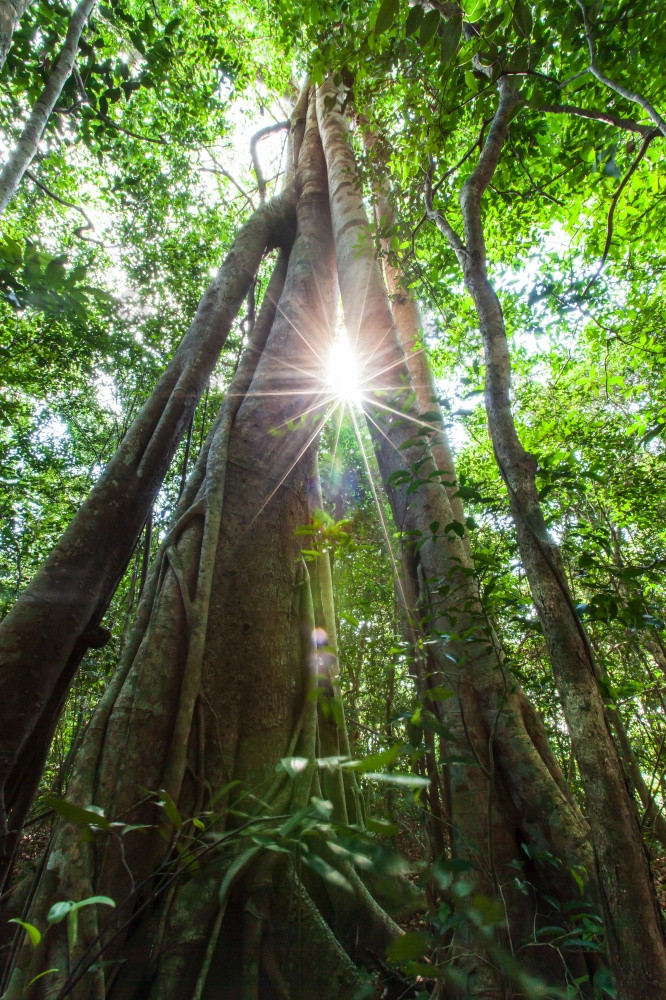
59	911
438	693
474	10
522	18
170	808
386	16
381	759
384	827
429	26
292	765
83	817
33	933
414	19
410	946
450	38
326	871
405	780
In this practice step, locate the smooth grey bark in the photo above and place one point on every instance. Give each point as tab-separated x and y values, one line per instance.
633	923
21	156
11	12
57	618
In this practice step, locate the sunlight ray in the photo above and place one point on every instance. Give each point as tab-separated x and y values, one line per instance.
313	437
402	415
382	519
299	334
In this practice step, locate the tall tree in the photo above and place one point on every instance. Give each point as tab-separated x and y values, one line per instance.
206	649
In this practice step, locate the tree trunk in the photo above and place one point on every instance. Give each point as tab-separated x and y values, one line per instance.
11	12
21	156
633	923
53	623
503	759
215	689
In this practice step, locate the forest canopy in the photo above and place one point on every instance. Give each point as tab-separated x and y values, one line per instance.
332	470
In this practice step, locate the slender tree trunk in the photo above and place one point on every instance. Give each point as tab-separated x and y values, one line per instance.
11	12
654	819
511	782
21	156
634	928
407	319
57	618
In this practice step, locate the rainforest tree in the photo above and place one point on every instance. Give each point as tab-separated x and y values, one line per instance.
208	786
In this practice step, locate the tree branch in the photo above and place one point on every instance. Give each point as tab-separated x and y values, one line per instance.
473	188
437	216
609	117
619	88
230	177
620	188
256	138
79	231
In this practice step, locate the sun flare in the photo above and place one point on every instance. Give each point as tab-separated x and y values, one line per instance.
343	375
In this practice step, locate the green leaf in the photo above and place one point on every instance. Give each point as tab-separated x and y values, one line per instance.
438	693
429	26
383	827
488	912
59	911
292	765
404	780
375	760
386	15
170	808
411	945
450	38
578	879
64	907
475	10
414	19
33	933
90	816
522	18
327	872
39	975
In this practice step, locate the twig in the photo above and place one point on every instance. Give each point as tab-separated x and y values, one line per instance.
619	88
225	173
535	186
609	117
79	231
611	212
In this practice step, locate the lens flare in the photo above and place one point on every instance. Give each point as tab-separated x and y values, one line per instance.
343	376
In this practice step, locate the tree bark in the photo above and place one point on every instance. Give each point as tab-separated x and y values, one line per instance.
53	623
634	929
504	761
11	12
21	156
215	688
